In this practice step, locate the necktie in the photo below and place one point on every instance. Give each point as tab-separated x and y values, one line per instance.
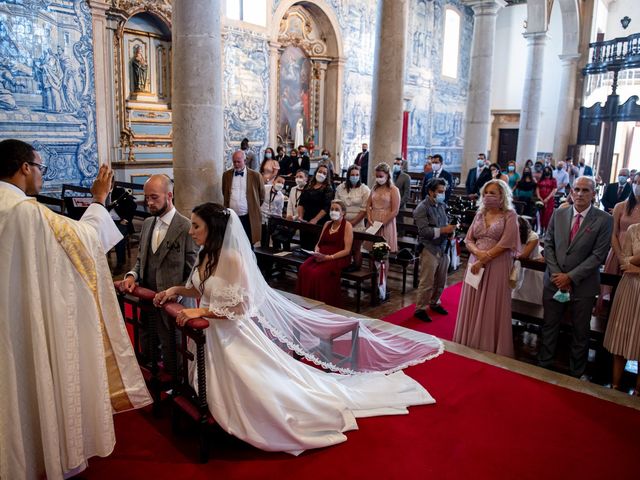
238	174
576	227
155	241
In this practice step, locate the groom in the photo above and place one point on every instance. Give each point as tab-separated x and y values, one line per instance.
576	244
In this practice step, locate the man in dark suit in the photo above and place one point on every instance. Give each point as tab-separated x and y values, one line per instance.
401	180
478	176
584	170
616	192
575	245
243	192
438	171
293	162
166	255
362	160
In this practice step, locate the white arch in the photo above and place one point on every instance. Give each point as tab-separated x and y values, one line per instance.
538	14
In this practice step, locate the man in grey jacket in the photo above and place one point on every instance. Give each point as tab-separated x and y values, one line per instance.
430	217
402	180
575	245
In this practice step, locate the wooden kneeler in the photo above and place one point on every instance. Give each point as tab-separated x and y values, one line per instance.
185	399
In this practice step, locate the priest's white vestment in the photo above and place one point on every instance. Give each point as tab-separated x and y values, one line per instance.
66	361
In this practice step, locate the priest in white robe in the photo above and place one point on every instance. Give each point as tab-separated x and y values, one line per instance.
67	364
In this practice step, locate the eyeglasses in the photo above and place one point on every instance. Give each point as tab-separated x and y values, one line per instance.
43	168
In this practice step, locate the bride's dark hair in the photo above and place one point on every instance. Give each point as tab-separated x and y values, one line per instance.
215	216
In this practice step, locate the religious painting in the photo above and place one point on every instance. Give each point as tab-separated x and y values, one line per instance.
294	96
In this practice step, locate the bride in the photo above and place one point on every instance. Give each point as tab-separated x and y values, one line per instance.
256	389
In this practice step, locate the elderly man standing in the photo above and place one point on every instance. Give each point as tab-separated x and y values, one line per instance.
243	193
576	244
562	177
67	361
430	217
166	255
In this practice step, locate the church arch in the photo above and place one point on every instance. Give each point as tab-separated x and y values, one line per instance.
310	32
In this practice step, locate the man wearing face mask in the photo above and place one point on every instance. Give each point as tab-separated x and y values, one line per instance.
478	176
584	170
402	181
438	172
562	177
362	160
434	231
616	192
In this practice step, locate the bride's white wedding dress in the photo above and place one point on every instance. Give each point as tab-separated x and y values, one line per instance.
261	394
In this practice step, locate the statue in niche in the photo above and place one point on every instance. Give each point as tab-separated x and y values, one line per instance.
140	70
68	81
51	76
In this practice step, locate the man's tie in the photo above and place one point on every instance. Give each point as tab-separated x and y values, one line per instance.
576	227
238	174
155	240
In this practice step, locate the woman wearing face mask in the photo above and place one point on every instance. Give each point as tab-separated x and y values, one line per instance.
484	315
319	275
496	174
383	206
302	177
269	167
625	214
525	188
272	206
545	191
325	159
538	167
512	175
313	206
354	194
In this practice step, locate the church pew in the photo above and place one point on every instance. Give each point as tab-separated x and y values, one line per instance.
267	256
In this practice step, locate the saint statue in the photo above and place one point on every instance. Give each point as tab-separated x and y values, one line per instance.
140	69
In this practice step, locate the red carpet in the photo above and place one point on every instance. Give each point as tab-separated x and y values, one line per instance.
442	326
489	423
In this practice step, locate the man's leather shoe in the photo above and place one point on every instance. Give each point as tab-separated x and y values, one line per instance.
422	315
439	309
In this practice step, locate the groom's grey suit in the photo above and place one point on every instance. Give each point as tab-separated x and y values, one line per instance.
581	260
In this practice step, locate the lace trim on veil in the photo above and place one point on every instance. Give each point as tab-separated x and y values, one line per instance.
233	303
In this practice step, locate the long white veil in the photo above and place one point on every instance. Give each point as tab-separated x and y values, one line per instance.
319	336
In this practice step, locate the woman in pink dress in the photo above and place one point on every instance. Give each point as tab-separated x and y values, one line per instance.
484	316
383	205
547	188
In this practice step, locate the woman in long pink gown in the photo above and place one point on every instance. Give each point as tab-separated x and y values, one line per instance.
484	316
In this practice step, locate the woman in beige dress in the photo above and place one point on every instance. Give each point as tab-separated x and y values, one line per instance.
623	332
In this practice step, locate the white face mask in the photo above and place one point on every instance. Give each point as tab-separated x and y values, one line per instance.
278	186
381	180
436	167
300	182
334	215
321	177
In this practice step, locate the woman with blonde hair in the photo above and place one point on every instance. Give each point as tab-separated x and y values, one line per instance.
484	316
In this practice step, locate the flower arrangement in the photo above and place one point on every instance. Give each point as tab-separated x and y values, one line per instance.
539	205
380	250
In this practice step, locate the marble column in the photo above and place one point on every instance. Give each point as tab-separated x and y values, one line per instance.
274	56
478	115
531	97
198	127
104	96
388	83
566	103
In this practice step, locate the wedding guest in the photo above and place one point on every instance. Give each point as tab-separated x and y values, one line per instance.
434	230
438	172
530	282
325	159
616	192
622	338
512	175
269	167
251	159
478	176
584	170
484	315
243	192
354	194
319	275
538	168
545	191
362	160
427	167
272	206
301	179
291	164
383	206
279	154
496	173
625	214
562	177
314	203
575	245
525	189
401	180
